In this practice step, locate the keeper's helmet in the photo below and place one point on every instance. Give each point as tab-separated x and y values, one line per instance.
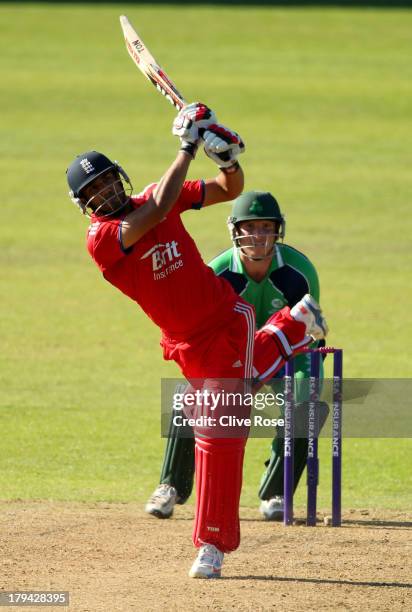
255	206
86	168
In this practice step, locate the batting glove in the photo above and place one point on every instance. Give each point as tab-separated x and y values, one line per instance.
223	145
191	122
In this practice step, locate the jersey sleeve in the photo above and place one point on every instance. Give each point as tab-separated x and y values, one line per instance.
312	278
297	276
191	196
221	262
104	243
222	266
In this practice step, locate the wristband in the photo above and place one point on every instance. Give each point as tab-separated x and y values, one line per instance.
231	169
189	147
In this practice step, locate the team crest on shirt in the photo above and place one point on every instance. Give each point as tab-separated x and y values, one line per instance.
277	304
165	258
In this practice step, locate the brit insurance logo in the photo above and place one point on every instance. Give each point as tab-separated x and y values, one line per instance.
165	259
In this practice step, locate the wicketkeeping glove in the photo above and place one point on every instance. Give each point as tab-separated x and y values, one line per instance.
223	145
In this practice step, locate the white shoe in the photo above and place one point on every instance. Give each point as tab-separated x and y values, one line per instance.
309	312
162	501
272	509
208	563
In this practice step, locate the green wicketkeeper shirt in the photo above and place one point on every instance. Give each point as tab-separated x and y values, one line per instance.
290	276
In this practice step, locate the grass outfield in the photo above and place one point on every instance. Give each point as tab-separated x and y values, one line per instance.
322	98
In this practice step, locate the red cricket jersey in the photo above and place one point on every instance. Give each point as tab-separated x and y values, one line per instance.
163	271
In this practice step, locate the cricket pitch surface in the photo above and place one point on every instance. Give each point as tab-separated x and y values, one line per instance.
114	557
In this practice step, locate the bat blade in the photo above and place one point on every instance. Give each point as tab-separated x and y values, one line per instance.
147	64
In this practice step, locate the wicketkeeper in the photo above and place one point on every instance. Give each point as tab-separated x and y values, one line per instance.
268	274
141	247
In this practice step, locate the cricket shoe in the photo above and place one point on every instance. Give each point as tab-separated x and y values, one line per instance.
308	311
272	509
208	563
162	501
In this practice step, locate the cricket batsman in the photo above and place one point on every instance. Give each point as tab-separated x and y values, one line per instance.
141	246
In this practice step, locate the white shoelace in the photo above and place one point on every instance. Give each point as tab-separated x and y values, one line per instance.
207	555
160	493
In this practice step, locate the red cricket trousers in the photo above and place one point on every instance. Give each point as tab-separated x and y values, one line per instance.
220	362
